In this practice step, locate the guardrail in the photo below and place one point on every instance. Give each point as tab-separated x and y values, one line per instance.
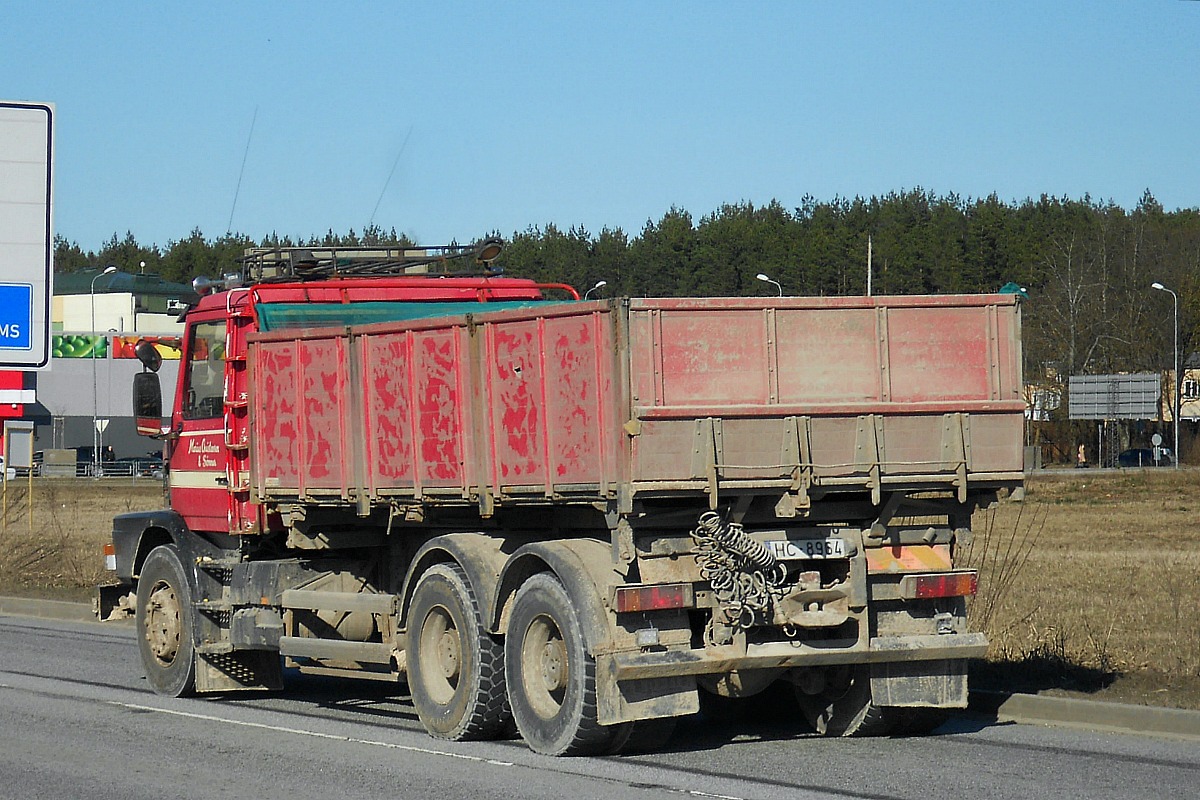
133	468
120	469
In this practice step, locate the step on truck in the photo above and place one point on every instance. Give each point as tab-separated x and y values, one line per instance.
578	519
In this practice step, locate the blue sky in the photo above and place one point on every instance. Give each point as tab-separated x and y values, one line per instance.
501	116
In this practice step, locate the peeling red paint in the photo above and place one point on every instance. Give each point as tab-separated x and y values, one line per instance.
535	400
438	410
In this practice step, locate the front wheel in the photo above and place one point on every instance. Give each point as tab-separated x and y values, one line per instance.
455	667
551	678
164	623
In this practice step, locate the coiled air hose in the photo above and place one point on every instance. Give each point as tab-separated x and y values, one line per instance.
744	575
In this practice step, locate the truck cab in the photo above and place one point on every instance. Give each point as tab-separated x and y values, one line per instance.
207	432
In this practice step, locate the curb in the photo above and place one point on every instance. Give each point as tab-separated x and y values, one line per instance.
47	609
1096	715
1001	706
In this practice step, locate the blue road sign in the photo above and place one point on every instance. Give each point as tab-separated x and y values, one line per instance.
16	316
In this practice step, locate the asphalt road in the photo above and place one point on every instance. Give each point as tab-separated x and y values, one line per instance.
76	720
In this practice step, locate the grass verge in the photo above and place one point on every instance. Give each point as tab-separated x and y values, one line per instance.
1091	585
53	532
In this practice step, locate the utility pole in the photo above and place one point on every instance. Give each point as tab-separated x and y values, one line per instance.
868	265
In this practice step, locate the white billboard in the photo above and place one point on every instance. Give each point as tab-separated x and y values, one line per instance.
26	233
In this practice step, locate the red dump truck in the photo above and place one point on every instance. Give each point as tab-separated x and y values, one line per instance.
575	517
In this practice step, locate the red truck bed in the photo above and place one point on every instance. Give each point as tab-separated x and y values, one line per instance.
599	400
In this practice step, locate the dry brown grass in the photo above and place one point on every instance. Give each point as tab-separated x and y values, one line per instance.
57	552
1097	572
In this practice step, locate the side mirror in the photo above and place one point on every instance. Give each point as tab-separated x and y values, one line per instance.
147	403
148	354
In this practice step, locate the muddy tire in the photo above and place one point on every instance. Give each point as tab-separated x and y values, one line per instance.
844	707
551	678
455	667
165	624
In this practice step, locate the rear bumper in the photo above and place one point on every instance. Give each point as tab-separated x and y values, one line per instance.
882	649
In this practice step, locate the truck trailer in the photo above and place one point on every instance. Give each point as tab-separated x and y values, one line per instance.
572	518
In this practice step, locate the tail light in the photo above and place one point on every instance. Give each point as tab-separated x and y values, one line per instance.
941	584
657	597
110	556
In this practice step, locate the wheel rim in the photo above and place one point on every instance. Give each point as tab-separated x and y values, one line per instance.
440	654
545	667
164	623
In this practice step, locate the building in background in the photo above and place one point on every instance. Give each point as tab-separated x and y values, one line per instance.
92	365
123	302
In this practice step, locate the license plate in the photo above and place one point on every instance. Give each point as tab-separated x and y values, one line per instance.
796	549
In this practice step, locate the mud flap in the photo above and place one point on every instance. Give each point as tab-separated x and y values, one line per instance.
925	684
646	698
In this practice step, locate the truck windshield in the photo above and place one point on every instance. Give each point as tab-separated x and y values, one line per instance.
204	392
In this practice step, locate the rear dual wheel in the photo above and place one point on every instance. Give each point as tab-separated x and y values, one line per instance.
551	677
455	667
843	705
466	685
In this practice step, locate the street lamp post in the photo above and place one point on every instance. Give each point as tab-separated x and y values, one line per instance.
1178	382
767	279
599	284
109	270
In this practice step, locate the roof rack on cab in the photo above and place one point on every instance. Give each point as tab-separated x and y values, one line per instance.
275	264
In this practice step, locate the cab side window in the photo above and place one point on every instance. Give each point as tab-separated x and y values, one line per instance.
205	389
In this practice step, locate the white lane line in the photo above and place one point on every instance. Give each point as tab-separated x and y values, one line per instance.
314	734
391	746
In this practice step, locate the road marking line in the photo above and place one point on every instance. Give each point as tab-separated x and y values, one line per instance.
314	734
389	745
